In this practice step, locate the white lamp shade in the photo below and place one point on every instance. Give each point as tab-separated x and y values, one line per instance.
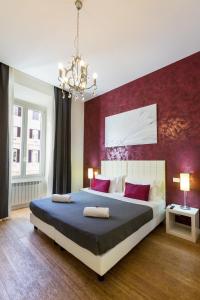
185	182
90	173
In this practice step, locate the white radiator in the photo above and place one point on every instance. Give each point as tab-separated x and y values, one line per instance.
23	192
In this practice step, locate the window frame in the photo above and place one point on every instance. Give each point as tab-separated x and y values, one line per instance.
24	136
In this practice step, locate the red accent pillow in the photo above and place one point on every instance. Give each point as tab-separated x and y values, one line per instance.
100	185
137	191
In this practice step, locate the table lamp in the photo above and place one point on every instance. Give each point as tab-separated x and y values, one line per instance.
185	187
90	174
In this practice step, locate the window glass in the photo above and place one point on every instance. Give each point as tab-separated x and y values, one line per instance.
28	145
33	142
17	140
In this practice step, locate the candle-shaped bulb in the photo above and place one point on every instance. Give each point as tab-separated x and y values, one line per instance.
60	68
82	63
95	76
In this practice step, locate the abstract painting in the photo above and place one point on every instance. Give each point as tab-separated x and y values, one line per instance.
134	127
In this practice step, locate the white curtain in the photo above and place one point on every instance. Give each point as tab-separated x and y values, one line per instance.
50	136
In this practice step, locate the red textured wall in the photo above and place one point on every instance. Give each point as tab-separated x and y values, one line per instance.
176	90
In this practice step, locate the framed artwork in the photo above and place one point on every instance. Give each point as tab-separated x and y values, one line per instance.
134	127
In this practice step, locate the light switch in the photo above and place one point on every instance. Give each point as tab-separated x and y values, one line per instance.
177	180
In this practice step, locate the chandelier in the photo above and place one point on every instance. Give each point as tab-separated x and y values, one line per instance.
75	77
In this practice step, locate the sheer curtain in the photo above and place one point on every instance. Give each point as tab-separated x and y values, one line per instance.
50	131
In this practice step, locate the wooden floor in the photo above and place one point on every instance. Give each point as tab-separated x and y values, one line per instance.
32	267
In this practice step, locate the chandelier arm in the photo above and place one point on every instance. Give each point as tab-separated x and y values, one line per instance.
67	72
80	79
93	85
79	84
73	77
69	80
70	86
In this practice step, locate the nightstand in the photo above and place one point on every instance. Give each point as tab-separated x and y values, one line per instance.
189	233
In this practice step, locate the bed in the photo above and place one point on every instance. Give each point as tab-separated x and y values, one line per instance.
101	243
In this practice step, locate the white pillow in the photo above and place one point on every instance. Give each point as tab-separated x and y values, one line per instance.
115	183
155	192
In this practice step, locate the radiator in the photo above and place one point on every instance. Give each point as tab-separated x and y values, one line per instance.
23	192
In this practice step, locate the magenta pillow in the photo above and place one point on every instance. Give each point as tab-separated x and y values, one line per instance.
100	185
137	191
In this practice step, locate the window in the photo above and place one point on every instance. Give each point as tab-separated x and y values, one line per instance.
16	155
35	115
17	111
17	131
33	142
28	140
17	140
34	134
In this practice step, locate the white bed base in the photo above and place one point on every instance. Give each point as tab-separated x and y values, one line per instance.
137	169
100	264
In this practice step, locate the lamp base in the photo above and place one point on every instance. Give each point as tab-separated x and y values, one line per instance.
185	207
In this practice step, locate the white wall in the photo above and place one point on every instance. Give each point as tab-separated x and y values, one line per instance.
77	125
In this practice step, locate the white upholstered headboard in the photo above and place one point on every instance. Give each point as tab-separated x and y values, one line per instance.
144	170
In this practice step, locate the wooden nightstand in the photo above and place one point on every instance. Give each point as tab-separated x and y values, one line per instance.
190	233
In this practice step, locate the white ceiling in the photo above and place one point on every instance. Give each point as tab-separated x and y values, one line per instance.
121	40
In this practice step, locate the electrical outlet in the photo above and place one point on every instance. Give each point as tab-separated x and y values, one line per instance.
177	180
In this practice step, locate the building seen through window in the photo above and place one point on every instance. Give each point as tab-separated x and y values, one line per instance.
27	143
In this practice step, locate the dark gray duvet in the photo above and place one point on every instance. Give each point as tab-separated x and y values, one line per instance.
96	235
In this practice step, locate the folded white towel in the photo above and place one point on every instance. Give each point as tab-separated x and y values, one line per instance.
61	198
96	212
